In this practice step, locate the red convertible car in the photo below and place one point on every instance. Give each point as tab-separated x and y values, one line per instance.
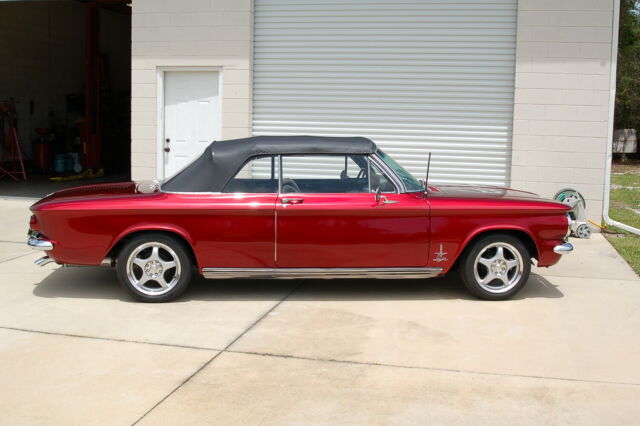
299	207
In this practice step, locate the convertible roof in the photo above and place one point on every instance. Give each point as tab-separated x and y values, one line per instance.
220	161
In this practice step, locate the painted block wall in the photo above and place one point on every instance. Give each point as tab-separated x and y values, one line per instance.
188	33
561	110
561	87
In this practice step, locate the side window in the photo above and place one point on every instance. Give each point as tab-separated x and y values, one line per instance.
325	174
258	175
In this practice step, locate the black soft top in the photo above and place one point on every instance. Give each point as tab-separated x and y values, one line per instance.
220	161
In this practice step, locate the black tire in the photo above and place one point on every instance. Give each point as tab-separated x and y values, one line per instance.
489	276
146	272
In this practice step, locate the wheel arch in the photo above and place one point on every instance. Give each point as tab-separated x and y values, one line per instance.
519	233
126	236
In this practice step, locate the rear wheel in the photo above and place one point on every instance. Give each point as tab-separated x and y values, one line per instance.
496	267
154	267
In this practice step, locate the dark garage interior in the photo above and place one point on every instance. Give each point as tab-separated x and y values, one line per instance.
65	94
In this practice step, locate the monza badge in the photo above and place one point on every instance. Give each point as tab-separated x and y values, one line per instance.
440	255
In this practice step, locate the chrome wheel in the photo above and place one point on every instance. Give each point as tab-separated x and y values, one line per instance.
498	267
153	268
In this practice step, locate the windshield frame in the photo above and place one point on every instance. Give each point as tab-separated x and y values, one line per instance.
409	182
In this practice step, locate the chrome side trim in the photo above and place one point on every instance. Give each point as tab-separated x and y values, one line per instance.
37	244
563	248
44	261
320	273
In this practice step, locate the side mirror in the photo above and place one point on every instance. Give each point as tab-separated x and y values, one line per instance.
378	195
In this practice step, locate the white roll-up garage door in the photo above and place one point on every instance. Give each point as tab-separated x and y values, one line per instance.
414	76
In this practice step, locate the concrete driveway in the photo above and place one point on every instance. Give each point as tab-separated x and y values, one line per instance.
75	349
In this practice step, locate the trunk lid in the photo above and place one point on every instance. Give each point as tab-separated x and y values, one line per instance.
117	188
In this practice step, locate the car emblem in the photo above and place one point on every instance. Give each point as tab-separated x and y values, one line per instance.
440	255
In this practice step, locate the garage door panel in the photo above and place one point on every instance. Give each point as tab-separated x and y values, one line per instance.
431	76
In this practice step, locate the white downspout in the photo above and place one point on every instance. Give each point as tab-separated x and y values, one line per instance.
612	106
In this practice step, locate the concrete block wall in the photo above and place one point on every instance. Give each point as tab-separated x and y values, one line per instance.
561	109
188	33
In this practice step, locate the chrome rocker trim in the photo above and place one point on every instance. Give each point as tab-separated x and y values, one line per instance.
44	261
38	244
319	273
563	248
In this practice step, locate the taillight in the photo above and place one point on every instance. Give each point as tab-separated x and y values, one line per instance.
33	222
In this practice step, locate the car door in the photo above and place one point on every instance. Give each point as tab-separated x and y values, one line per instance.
327	216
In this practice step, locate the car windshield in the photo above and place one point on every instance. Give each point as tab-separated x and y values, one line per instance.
411	183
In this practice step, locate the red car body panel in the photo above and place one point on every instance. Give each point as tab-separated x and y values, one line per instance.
325	230
460	213
352	230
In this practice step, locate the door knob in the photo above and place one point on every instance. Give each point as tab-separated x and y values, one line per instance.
167	149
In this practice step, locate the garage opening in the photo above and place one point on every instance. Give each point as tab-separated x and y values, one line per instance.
65	94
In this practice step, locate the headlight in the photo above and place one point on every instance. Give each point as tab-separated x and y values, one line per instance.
569	220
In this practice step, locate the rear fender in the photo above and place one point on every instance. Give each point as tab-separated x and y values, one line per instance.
163	227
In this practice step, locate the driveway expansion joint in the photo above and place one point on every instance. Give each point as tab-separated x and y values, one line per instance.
16	257
108	339
225	349
630	280
304	358
435	369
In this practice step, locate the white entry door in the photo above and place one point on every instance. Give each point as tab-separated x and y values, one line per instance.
191	116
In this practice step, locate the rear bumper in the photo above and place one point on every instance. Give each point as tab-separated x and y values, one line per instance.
563	248
40	244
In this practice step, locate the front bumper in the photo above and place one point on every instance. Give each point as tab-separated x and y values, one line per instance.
563	248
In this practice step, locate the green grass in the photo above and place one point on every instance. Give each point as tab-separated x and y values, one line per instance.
622	201
630	197
626	179
619	211
628	245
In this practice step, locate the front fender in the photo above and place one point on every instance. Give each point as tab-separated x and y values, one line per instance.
449	237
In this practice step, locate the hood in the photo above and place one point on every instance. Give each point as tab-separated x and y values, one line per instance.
483	192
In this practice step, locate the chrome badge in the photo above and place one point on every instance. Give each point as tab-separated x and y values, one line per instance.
440	255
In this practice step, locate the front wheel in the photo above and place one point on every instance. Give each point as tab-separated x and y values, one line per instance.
495	267
154	267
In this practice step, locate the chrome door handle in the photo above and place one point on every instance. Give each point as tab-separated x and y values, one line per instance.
385	200
292	200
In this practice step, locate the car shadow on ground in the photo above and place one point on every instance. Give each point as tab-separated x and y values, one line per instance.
101	283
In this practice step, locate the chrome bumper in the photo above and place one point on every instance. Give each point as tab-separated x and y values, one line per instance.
39	244
563	248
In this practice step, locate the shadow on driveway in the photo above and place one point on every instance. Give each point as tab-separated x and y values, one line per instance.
100	283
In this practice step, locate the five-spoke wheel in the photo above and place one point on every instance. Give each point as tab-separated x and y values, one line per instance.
495	267
154	267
